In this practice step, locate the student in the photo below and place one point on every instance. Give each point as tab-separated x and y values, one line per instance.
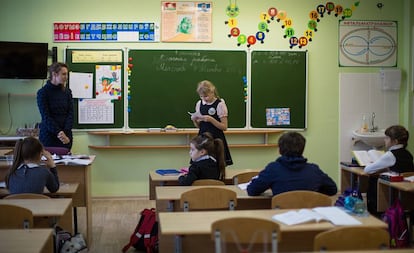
207	159
27	174
55	104
397	159
211	115
291	171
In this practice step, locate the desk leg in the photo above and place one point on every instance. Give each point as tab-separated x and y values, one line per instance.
178	244
75	220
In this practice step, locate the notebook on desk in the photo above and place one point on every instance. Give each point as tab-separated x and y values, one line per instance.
168	172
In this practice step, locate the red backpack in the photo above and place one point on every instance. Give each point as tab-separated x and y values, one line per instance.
397	225
145	235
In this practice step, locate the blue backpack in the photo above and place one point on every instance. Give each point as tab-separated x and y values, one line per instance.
397	225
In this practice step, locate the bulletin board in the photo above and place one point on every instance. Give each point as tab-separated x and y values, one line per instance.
279	89
87	64
163	85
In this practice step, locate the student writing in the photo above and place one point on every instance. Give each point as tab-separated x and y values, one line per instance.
211	115
397	159
27	174
291	171
207	159
55	105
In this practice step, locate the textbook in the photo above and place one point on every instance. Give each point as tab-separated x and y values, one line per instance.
365	158
168	172
391	176
333	214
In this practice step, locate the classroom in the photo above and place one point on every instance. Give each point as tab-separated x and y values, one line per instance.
335	89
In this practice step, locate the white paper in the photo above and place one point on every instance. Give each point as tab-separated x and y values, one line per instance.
95	111
75	161
81	84
337	216
332	214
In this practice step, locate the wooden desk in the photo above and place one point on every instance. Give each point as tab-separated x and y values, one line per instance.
60	210
26	240
388	191
80	174
194	229
156	179
66	190
168	198
353	177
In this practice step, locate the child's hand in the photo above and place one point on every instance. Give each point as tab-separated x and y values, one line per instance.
50	163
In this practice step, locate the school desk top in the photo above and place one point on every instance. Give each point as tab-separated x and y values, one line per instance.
26	240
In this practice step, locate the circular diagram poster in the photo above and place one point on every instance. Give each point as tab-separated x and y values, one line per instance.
368	43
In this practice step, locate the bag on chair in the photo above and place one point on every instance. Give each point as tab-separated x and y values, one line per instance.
145	235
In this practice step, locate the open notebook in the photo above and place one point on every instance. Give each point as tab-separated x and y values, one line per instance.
333	214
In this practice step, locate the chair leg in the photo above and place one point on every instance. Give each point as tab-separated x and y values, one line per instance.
217	240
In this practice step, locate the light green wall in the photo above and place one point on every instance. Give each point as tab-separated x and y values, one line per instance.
125	173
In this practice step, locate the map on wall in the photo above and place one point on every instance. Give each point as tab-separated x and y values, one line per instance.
367	43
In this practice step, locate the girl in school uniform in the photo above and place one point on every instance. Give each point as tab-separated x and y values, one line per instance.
207	160
28	174
397	159
211	115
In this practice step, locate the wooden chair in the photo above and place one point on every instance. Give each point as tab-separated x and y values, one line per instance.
352	238
300	199
208	198
244	232
15	217
27	196
208	182
244	177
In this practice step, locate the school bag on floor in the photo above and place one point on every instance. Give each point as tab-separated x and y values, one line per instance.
145	235
397	225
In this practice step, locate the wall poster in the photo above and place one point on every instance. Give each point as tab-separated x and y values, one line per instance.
186	21
367	43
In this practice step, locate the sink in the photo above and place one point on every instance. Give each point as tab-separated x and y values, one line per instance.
373	139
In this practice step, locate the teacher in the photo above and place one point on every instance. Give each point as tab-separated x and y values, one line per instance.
55	104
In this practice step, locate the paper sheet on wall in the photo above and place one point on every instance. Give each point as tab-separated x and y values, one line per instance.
81	84
108	81
95	111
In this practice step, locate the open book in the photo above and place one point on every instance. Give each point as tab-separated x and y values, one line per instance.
333	214
365	158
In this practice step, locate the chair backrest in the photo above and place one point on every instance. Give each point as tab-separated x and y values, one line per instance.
244	177
15	217
300	199
352	238
208	198
244	232
27	196
208	182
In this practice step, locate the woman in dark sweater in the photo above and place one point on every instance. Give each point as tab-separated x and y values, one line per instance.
27	174
55	104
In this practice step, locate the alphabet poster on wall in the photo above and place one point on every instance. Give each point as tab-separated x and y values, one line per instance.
186	21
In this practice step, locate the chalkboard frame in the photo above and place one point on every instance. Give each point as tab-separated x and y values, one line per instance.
279	83
175	74
89	67
249	108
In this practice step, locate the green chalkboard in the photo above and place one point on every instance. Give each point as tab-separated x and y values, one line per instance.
163	85
278	89
87	63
